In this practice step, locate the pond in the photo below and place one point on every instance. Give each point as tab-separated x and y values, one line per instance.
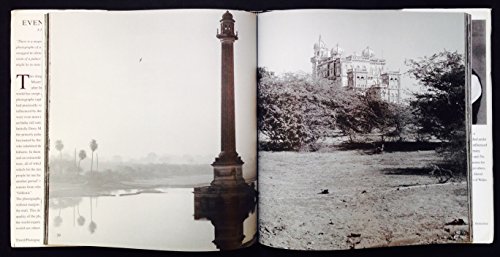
162	219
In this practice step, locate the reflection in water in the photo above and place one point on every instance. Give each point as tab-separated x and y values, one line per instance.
160	218
62	203
92	225
226	205
81	219
162	221
58	219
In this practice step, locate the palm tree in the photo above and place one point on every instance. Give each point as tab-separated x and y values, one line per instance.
93	147
82	156
59	147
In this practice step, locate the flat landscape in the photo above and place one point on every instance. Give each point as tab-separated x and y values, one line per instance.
349	199
143	178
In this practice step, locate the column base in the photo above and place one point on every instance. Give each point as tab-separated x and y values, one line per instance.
228	175
227	158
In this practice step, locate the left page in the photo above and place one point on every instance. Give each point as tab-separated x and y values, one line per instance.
28	98
141	104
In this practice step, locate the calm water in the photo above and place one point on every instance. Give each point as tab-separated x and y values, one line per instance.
162	221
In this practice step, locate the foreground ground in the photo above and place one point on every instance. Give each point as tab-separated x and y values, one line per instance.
371	200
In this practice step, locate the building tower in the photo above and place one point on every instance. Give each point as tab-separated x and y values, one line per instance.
227	166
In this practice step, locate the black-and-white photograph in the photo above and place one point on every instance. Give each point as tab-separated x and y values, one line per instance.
152	129
478	81
362	129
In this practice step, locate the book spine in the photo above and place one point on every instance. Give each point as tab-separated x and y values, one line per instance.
468	114
28	128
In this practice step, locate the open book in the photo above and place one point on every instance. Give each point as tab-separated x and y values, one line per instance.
200	130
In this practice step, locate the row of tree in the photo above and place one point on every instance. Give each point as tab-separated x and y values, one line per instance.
82	154
295	111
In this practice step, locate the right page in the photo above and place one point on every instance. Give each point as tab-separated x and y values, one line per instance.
481	139
482	135
363	135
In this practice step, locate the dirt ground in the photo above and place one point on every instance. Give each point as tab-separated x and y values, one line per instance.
375	200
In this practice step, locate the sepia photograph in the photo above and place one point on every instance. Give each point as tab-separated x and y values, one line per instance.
152	129
362	129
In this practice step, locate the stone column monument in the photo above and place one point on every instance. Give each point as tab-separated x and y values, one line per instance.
228	165
228	201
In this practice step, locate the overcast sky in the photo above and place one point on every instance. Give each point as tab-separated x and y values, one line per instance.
142	82
286	38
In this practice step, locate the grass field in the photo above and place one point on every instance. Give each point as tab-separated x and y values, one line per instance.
372	201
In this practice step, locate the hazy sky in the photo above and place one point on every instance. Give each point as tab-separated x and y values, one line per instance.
286	38
141	82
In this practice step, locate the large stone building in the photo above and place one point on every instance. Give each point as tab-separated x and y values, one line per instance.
363	72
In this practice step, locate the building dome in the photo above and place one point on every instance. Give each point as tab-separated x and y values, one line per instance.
337	50
320	44
227	16
368	52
